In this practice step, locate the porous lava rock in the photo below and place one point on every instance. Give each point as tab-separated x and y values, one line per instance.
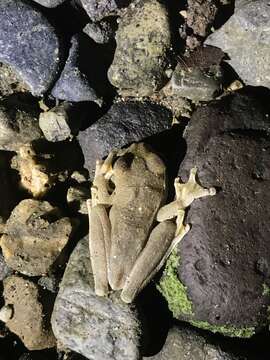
219	276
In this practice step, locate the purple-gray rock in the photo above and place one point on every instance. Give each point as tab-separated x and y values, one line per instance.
125	122
101	32
99	9
29	44
49	3
73	84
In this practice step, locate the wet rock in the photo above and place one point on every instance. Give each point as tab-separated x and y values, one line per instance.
35	235
19	124
60	123
134	122
185	344
245	33
29	318
73	84
101	32
96	327
99	9
49	3
213	278
141	57
29	44
10	82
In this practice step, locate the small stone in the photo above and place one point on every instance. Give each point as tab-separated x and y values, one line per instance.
99	9
185	344
59	123
49	283
201	15
18	123
101	32
29	318
97	327
29	44
134	122
35	235
73	85
49	3
246	33
10	82
77	196
143	42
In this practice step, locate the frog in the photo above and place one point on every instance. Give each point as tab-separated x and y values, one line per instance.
132	229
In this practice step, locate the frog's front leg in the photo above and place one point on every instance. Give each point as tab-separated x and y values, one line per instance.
165	236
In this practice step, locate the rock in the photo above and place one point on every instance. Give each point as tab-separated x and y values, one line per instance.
29	44
5	271
18	123
143	42
201	15
134	122
185	344
73	85
97	327
49	3
245	33
77	196
99	9
35	236
60	123
49	283
10	82
101	32
221	267
30	318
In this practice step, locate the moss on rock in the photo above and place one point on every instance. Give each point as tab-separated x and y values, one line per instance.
227	330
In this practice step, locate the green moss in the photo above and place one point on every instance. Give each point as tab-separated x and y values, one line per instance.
266	290
227	330
173	290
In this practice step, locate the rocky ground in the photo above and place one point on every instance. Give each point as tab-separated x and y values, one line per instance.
79	78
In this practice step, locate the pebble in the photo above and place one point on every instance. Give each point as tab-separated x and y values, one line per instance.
134	122
97	327
228	142
35	235
73	85
29	319
99	9
245	33
29	44
143	42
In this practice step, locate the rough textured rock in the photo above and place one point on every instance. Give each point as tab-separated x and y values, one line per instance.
101	32
18	124
4	269
73	84
98	328
185	344
35	235
29	44
220	275
141	57
49	3
245	33
10	82
134	121
99	9
77	196
30	319
200	15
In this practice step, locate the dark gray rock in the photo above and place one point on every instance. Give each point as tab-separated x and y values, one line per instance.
73	84
125	122
29	44
49	3
221	268
185	344
101	32
245	33
98	328
99	9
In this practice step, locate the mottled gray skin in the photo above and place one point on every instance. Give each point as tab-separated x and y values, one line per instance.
29	44
96	327
73	84
185	344
245	37
49	3
99	9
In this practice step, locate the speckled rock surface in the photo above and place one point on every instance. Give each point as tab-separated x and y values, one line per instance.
226	253
143	42
245	33
99	9
96	327
49	3
134	121
30	319
73	84
101	32
29	44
